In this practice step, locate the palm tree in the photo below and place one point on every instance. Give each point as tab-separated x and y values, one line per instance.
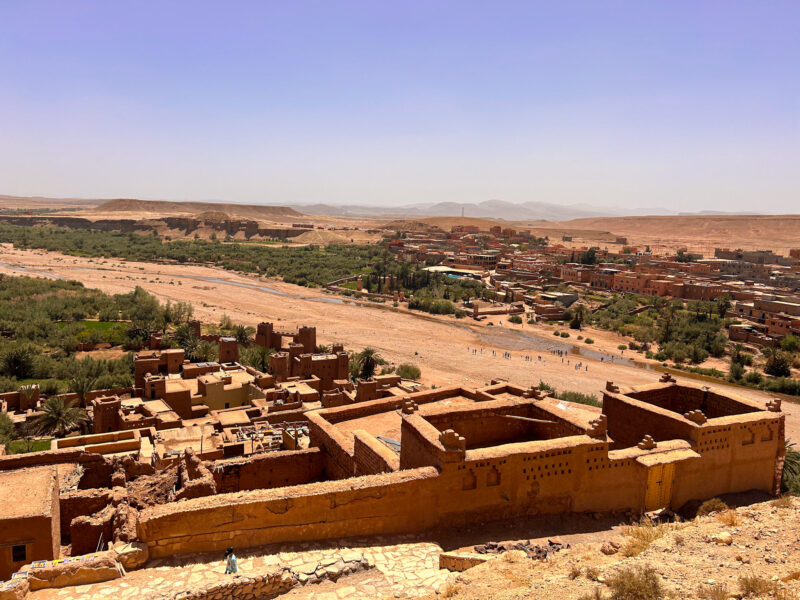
242	334
368	360
8	432
206	351
81	385
59	417
257	357
791	465
26	394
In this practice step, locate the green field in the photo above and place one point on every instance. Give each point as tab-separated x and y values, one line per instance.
21	446
102	326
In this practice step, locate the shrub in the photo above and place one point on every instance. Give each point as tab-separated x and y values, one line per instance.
564	334
408	371
622	347
711	506
752	585
778	364
641	536
790	343
556	333
713	592
580	398
636	583
784	501
736	372
515	319
728	517
588	341
753	377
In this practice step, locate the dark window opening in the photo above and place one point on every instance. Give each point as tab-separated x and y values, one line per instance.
19	553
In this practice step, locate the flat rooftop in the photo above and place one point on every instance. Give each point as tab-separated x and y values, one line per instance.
27	492
388	423
178	440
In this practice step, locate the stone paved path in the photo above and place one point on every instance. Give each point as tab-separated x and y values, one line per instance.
401	569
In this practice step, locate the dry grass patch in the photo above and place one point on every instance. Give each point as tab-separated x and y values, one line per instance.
713	592
637	583
641	536
784	501
574	572
752	586
728	517
592	573
711	506
449	590
793	576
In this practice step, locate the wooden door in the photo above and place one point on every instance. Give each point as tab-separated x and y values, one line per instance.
659	486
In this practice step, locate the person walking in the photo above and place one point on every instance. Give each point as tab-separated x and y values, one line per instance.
230	562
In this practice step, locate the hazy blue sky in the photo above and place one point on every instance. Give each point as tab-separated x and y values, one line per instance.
687	105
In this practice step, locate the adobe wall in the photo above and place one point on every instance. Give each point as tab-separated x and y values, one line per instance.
375	504
51	457
543	478
271	470
738	453
630	420
337	446
683	398
371	456
482	427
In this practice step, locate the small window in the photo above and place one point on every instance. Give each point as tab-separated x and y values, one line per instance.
19	553
227	405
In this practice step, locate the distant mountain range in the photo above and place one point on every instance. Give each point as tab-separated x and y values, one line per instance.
488	209
491	209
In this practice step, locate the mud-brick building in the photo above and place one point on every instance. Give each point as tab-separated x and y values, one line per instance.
455	456
29	517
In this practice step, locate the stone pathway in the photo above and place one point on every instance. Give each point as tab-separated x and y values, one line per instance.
399	569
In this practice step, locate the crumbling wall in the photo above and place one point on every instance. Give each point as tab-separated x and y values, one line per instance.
90	533
194	478
271	470
81	503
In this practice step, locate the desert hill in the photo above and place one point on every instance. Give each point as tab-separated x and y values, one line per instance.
703	232
162	207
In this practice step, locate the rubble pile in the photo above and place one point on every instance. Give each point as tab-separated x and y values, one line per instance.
534	551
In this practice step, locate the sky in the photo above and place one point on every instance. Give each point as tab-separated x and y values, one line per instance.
685	105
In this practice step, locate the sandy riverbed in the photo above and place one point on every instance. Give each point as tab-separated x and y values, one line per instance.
441	346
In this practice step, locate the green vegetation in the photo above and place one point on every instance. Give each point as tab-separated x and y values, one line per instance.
364	364
790	481
312	266
516	319
59	417
257	357
407	371
683	332
306	265
571	396
44	321
23	446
